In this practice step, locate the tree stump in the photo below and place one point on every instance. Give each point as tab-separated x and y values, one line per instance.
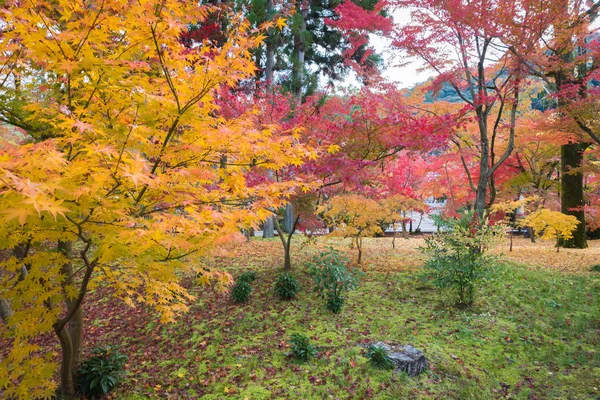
406	358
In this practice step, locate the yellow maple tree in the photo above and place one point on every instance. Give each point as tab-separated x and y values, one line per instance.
356	217
132	176
548	224
545	223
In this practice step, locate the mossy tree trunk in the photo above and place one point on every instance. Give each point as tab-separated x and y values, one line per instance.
572	195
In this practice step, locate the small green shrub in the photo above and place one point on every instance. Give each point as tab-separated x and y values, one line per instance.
286	287
379	357
241	291
302	350
100	374
335	303
554	304
332	279
248	276
595	268
456	257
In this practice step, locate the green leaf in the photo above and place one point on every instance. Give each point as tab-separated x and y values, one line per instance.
95	382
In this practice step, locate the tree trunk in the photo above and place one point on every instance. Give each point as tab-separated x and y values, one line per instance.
287	243
248	233
20	252
74	328
268	228
270	63
66	367
529	233
359	247
299	53
287	259
572	195
5	310
270	45
288	222
482	183
75	325
571	160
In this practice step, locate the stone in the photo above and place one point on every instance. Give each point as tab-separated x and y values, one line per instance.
406	358
383	345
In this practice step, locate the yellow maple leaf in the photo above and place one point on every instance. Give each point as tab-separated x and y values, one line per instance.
68	65
204	279
20	214
332	149
281	23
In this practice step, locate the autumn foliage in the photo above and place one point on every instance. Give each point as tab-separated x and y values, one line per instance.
132	176
355	217
147	139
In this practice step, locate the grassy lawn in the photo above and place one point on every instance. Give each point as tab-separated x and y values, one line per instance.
534	333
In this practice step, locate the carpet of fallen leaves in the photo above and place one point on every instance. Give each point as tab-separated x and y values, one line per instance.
380	256
542	254
533	332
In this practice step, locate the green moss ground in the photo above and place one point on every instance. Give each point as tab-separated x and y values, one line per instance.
530	335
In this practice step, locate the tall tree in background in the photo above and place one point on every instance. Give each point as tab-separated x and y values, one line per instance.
573	66
459	42
562	50
323	40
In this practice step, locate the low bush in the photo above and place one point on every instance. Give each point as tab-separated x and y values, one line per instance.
457	257
100	373
286	287
332	279
595	268
334	303
248	276
240	292
302	350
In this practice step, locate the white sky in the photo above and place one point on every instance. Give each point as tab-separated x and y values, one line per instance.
405	75
397	70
